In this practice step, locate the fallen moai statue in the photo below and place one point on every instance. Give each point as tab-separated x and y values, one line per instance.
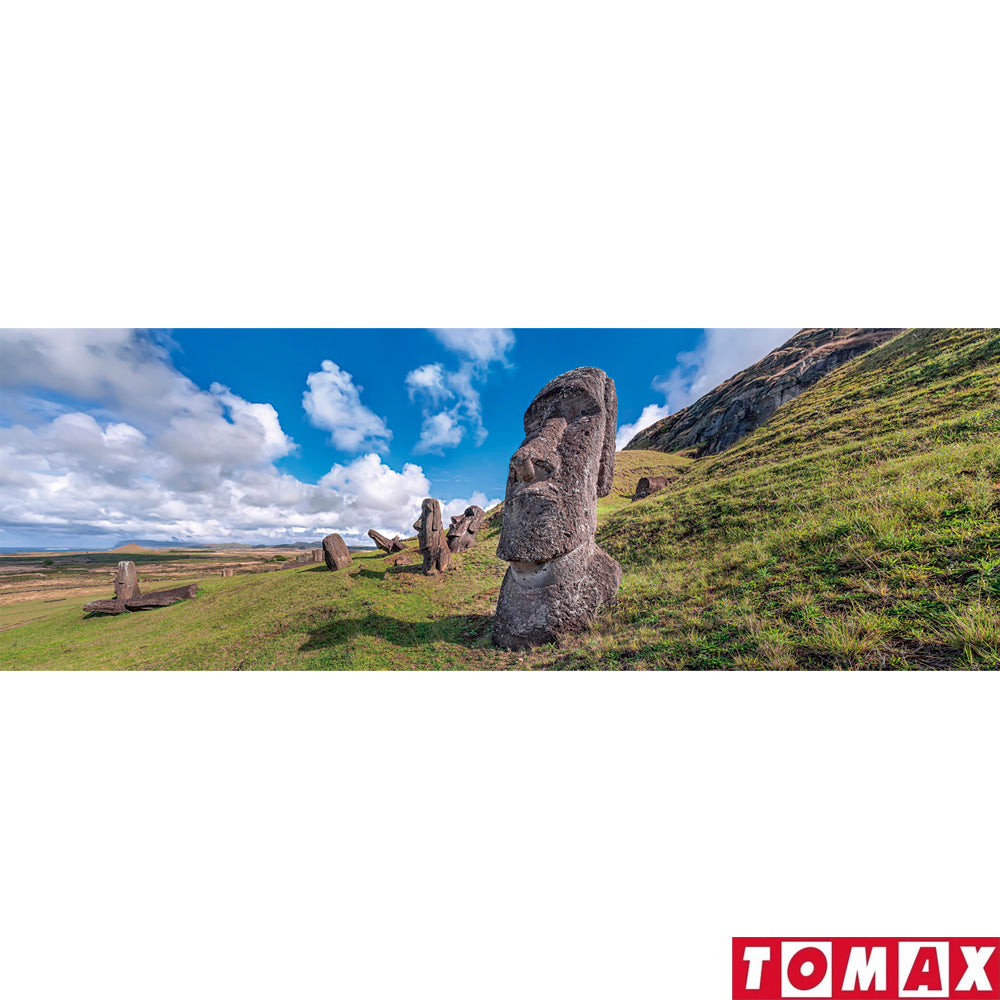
462	532
128	597
649	484
433	540
335	552
558	578
385	544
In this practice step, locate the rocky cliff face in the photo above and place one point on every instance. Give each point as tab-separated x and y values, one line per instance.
747	400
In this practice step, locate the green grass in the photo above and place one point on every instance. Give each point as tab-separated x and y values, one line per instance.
858	529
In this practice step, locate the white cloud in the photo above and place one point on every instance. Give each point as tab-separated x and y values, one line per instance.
333	403
480	346
458	505
650	414
192	464
433	385
430	382
439	431
721	354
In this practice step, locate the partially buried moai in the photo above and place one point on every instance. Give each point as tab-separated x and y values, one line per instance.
126	582
335	553
648	485
433	540
464	527
558	579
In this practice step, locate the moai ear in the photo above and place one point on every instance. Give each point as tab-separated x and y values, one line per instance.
436	512
606	473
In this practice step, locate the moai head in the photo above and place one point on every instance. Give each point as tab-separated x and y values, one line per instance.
462	532
564	464
429	526
433	541
126	580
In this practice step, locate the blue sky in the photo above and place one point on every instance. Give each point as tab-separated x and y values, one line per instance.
285	435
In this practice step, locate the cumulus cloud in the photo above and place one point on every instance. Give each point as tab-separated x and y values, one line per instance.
479	499
333	403
721	354
434	386
192	464
650	414
480	346
439	431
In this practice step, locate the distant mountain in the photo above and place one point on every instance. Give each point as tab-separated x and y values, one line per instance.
750	398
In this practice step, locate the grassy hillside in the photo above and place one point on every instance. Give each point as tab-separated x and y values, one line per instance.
859	528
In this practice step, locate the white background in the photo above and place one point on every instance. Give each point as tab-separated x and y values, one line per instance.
440	164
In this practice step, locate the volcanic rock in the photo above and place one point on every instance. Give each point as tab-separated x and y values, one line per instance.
126	581
335	552
433	540
729	412
558	578
649	484
462	532
385	544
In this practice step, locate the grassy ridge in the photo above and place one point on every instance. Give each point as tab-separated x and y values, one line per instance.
859	528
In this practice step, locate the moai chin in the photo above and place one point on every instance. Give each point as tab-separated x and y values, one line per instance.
558	579
464	527
433	540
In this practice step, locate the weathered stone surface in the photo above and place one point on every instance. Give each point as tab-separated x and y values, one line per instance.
649	484
317	555
161	598
750	398
126	580
385	544
558	578
433	540
335	552
142	602
228	572
464	527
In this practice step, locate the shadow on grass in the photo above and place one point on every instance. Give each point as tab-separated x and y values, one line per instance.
460	630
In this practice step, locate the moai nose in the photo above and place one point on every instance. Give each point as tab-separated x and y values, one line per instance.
524	468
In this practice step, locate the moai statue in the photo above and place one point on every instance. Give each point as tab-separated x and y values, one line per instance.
317	555
228	571
126	581
462	532
649	484
558	578
395	545
335	553
433	540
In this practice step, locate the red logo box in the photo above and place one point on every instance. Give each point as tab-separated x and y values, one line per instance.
854	968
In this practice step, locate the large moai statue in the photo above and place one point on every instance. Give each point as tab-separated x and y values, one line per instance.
335	553
433	540
558	578
385	544
126	581
464	527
